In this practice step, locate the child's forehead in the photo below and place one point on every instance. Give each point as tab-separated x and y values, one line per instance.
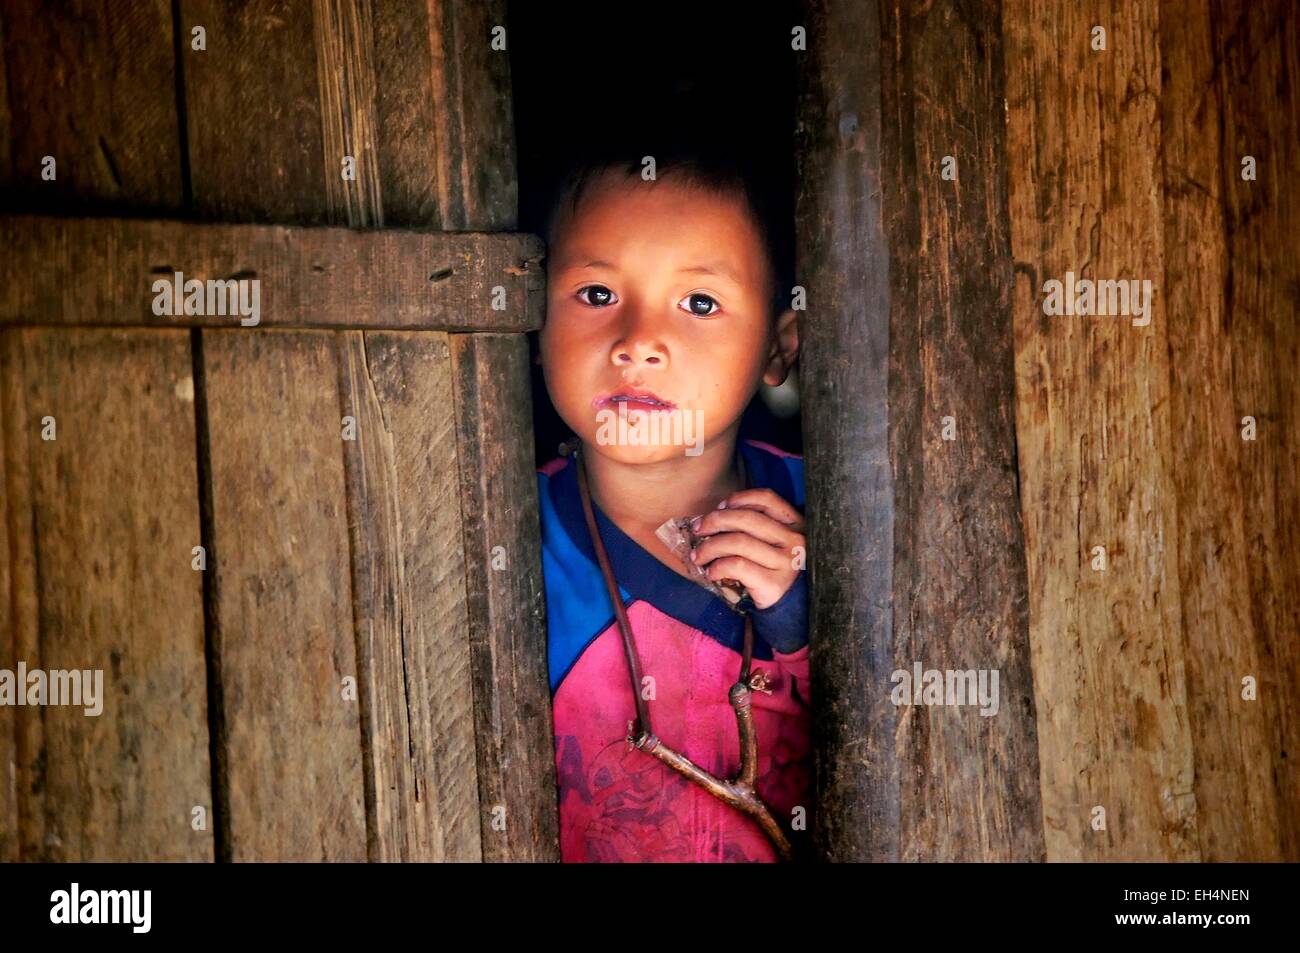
630	213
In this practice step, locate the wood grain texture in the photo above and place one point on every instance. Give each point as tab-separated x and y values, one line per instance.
1236	796
283	638
412	633
444	111
416	734
308	277
910	512
476	188
1096	431
21	819
106	584
409	596
1257	57
291	754
503	579
253	104
441	151
969	775
100	523
344	36
446	157
7	171
91	84
844	261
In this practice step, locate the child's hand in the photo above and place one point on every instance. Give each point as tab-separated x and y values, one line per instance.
753	540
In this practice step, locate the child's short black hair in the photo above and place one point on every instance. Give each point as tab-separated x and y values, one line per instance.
721	172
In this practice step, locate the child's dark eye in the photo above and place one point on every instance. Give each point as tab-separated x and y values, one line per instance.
597	296
700	305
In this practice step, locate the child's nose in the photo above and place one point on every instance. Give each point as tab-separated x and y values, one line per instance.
639	343
638	354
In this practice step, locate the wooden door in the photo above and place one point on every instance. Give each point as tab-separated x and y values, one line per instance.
352	665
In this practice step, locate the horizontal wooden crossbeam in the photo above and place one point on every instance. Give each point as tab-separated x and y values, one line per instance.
127	272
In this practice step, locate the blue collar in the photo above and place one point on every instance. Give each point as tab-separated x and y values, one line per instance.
643	576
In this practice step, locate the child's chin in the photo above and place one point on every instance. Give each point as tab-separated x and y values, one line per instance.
639	455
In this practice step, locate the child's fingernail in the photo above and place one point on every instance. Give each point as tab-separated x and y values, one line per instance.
722	505
695	555
695	523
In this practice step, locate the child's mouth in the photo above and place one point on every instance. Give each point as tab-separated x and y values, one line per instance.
634	400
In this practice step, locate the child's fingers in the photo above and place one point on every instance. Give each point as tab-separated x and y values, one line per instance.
741	544
751	521
744	571
766	501
765	586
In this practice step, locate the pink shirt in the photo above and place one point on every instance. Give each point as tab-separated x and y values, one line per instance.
622	804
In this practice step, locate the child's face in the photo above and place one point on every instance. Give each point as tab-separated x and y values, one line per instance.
657	288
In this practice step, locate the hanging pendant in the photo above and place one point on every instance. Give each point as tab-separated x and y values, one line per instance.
739	792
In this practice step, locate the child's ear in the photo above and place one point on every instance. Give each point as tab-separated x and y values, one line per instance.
784	351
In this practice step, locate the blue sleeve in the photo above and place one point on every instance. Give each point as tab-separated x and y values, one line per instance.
784	624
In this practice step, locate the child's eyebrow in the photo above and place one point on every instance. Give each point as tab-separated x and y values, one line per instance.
716	268
594	263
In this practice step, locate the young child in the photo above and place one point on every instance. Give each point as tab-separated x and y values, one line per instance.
664	298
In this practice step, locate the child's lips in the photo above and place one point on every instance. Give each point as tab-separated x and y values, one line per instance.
633	400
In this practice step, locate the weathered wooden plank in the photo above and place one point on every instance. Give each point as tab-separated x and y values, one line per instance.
506	598
897	507
91	84
409	596
256	146
475	188
114	519
101	522
844	261
6	127
1095	435
307	277
1257	52
345	75
959	577
273	412
443	98
1236	798
344	68
412	633
20	738
283	636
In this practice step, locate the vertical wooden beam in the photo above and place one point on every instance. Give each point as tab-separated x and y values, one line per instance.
408	558
476	188
409	596
844	261
445	156
499	507
916	538
1256	54
1237	796
290	744
100	522
17	582
970	784
283	635
1095	433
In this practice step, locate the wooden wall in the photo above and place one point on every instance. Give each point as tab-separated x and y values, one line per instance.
100	522
1131	437
328	559
916	537
1123	162
1121	689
